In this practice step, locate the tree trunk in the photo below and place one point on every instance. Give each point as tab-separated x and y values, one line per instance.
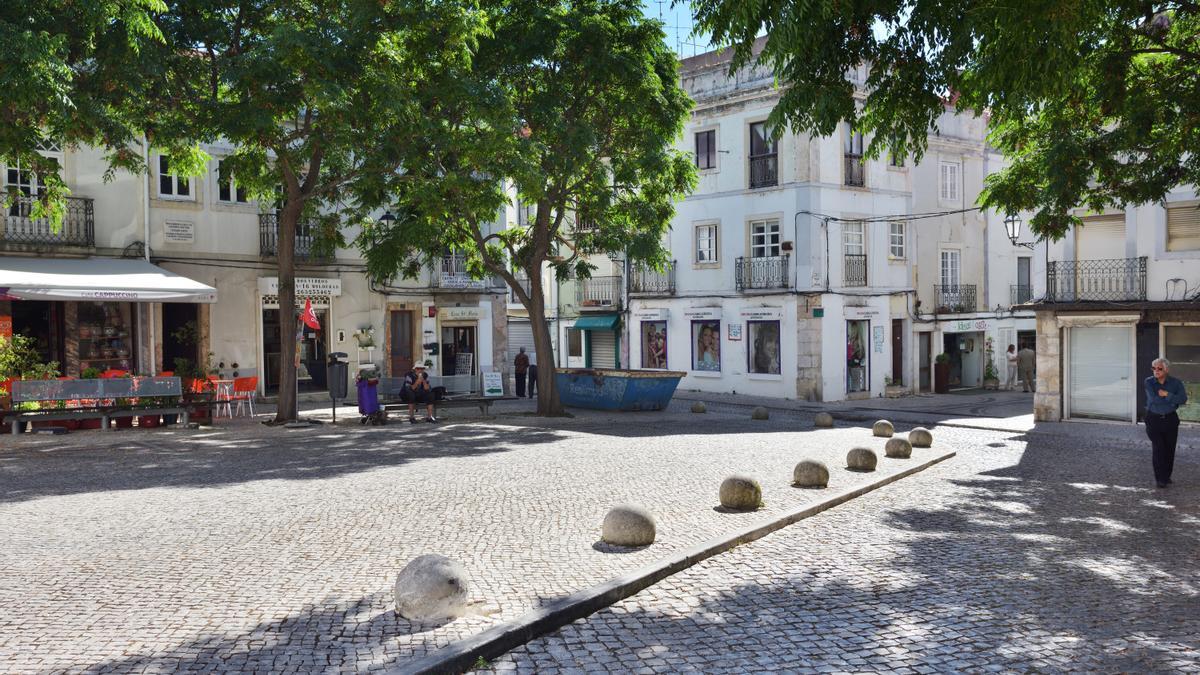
548	401
285	243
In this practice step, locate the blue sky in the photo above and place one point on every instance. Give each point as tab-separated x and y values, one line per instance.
677	23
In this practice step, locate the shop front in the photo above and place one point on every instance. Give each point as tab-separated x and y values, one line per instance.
864	328
313	344
601	340
651	327
91	316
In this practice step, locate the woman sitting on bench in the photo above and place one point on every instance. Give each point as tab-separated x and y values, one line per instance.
417	390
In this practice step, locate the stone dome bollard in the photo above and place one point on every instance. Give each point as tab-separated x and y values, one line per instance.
741	493
883	429
823	419
810	473
431	587
699	407
628	525
898	448
920	437
861	459
760	413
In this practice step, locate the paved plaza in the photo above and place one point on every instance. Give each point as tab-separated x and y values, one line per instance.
253	549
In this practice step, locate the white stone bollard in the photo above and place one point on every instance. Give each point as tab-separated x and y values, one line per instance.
920	437
883	429
431	587
741	493
810	473
861	459
628	525
760	413
699	407
823	419
898	448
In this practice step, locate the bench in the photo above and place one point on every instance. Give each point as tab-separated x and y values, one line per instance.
389	397
95	399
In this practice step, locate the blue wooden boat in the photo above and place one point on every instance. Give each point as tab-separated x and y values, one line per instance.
612	389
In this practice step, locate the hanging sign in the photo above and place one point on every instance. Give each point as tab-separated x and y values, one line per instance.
460	313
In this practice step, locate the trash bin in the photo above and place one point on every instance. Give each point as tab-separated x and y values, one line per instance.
335	375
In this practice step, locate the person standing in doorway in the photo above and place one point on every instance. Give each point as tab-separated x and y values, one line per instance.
1011	383
520	368
1164	395
532	374
1025	360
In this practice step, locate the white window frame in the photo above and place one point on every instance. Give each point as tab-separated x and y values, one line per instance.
950	182
943	256
716	155
897	240
1192	206
852	231
176	181
771	228
1068	339
34	184
714	251
237	193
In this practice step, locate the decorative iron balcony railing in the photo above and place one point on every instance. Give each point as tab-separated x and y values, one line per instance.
452	272
1117	279
646	280
1019	294
764	170
306	240
598	291
765	272
957	298
78	224
526	286
855	174
854	269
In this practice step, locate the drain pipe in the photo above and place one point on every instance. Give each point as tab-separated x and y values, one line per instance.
146	243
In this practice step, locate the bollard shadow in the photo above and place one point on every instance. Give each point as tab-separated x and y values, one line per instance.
605	547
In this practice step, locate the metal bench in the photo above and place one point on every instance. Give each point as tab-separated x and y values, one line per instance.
390	387
95	399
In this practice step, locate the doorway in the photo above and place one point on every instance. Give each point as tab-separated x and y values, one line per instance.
312	347
898	352
400	347
857	355
966	359
180	332
575	357
458	350
925	359
44	323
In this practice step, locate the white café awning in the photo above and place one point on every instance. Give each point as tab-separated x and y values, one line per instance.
97	279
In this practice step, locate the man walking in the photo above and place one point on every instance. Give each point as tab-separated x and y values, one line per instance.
532	374
1025	361
520	368
1164	394
1011	383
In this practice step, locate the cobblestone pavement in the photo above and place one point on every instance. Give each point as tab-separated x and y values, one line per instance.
1045	553
246	548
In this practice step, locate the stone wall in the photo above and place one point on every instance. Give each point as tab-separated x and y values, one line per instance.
808	350
1047	400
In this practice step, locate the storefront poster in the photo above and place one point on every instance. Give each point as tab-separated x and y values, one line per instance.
706	346
654	344
877	338
764	347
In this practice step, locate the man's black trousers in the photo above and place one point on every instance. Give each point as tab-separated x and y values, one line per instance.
1163	431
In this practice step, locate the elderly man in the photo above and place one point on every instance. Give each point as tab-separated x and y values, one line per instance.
1164	394
1026	359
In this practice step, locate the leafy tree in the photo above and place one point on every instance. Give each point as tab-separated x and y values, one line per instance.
574	106
319	97
1094	103
63	74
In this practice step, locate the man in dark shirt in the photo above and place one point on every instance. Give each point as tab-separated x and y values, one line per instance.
1164	394
416	390
520	367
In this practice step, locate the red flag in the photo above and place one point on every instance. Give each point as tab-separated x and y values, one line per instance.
309	317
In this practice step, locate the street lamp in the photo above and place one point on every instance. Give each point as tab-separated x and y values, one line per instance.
387	219
1012	225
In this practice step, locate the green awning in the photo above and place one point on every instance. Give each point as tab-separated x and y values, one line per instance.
596	322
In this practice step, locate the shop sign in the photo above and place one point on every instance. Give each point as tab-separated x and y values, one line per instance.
306	287
967	326
180	232
702	313
863	312
493	384
734	331
460	313
762	313
651	314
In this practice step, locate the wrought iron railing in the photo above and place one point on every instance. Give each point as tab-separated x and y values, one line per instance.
1019	294
854	269
452	272
644	279
525	285
764	170
765	272
78	224
855	174
306	240
956	298
598	291
1117	279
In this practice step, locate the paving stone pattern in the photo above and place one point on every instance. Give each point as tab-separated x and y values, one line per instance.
252	549
1041	554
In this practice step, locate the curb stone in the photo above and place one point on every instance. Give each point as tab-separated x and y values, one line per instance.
461	656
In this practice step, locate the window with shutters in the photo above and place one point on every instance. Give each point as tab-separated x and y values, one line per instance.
1183	226
948	184
951	268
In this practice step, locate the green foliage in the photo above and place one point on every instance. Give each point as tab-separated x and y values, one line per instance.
19	357
942	358
1094	103
90	373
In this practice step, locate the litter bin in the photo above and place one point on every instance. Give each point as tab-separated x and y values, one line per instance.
335	379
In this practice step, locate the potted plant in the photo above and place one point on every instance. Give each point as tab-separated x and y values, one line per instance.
991	379
125	422
941	373
196	390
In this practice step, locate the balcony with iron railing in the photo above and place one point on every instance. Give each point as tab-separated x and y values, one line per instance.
957	298
78	227
598	292
1019	294
645	280
764	170
767	272
854	269
452	273
525	285
1112	280
306	240
855	174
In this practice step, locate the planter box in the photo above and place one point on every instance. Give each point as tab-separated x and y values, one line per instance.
149	421
607	389
92	423
941	378
123	422
895	391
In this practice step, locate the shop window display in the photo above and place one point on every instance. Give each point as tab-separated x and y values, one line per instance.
764	347
105	336
706	346
654	344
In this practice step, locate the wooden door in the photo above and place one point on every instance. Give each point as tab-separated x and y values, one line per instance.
897	351
400	349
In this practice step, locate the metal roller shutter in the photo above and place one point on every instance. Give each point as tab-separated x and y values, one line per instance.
1101	238
520	334
1183	227
604	348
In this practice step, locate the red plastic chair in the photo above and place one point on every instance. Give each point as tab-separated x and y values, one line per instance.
244	389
